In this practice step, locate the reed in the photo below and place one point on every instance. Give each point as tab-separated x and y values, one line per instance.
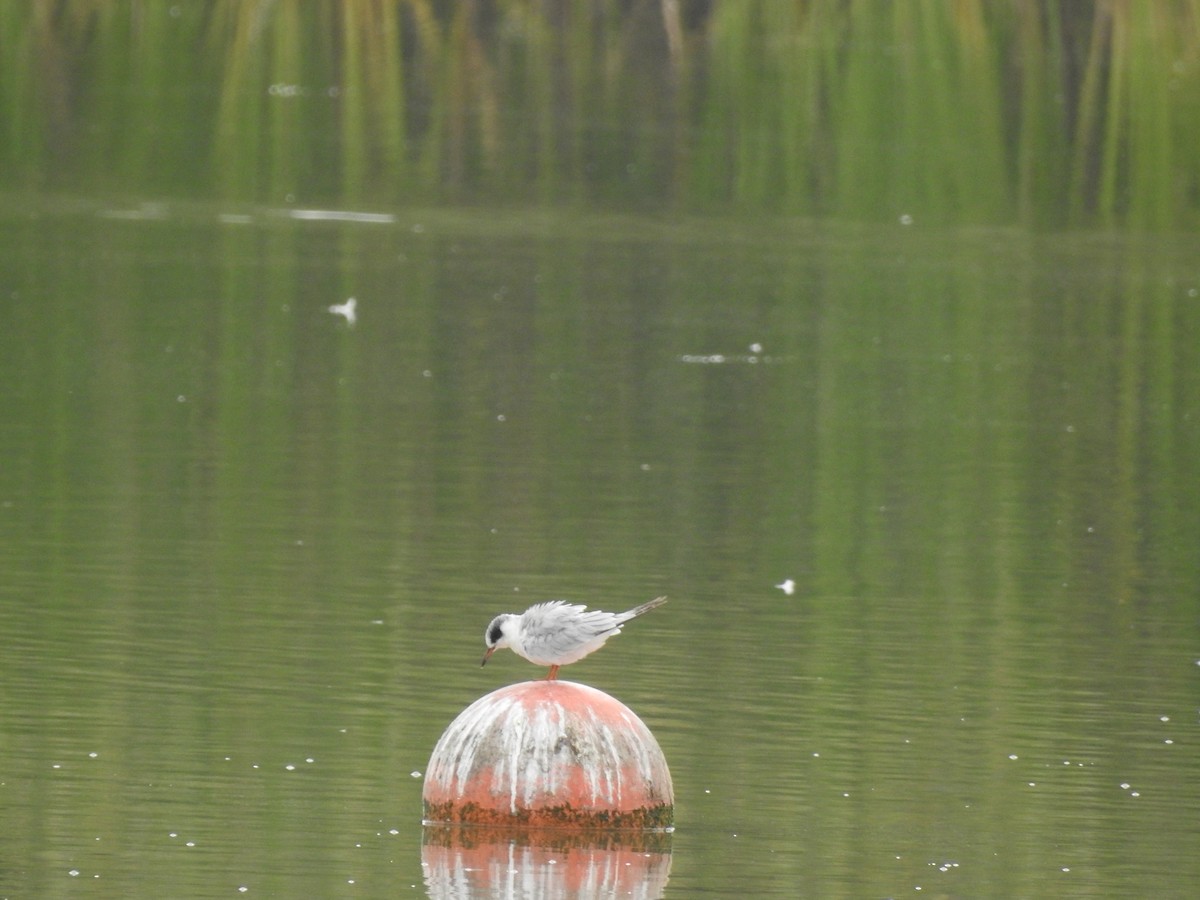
1036	112
1041	151
1153	53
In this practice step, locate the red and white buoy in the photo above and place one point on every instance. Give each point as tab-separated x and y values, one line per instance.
549	754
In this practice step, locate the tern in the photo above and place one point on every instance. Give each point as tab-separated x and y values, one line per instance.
557	633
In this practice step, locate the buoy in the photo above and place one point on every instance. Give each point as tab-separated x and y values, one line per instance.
549	754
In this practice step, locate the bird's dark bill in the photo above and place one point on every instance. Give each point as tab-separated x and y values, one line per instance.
490	651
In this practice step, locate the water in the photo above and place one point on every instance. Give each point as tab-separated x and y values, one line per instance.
249	550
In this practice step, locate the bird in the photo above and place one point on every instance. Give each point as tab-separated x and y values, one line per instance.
557	633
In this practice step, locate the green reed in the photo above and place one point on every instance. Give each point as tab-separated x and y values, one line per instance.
1035	111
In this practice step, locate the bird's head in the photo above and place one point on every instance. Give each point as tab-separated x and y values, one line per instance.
498	635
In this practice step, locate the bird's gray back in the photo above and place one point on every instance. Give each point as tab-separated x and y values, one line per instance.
557	627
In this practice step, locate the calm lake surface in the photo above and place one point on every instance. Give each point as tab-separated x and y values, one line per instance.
870	335
249	549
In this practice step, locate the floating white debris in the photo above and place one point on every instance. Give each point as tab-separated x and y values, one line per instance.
787	586
340	215
346	310
144	211
718	359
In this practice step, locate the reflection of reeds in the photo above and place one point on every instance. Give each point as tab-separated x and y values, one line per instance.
968	111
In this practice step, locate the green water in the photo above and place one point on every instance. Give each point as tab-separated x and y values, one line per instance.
240	534
248	549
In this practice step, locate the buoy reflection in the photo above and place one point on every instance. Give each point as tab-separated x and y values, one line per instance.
532	864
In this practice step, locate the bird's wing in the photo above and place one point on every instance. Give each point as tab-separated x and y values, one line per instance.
557	627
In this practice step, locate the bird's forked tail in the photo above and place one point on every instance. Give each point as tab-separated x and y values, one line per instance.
644	608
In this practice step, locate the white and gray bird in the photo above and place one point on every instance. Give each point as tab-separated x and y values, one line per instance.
557	633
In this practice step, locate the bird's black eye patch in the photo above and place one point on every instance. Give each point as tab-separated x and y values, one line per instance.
495	633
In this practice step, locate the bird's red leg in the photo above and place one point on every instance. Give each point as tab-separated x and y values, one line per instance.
553	675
